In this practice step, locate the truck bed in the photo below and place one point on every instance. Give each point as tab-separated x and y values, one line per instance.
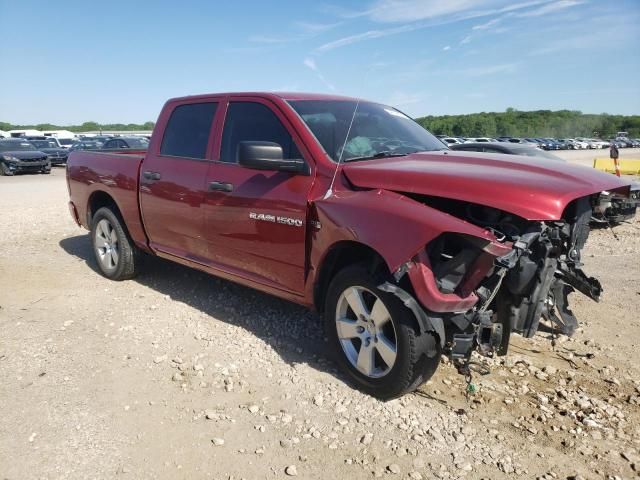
117	174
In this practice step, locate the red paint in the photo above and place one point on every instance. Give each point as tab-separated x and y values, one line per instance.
535	190
178	218
427	291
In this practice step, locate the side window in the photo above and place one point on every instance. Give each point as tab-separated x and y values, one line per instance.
110	144
187	131
250	121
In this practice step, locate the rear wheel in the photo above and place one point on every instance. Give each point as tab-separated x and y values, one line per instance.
118	258
375	338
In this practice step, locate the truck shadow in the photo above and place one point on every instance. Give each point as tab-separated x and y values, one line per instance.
294	332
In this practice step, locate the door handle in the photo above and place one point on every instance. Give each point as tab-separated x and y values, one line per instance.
221	187
151	175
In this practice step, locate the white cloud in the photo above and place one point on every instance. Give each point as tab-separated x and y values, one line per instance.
310	63
399	99
422	14
389	11
490	70
489	24
550	8
341	42
269	39
447	47
301	31
314	28
465	40
411	10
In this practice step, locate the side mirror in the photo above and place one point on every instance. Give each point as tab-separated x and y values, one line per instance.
267	156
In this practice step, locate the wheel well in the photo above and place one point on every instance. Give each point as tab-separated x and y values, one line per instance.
341	255
98	200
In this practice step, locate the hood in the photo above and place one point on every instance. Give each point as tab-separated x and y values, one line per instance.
24	154
532	188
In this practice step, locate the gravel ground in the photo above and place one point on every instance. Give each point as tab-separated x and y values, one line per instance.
181	375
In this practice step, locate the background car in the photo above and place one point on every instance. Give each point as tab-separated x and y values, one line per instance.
99	139
85	145
134	143
505	148
66	142
55	154
18	155
480	140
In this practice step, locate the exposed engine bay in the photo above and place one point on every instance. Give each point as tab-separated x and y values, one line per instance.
515	291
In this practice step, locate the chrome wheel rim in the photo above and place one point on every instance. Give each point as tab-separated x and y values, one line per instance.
366	332
106	245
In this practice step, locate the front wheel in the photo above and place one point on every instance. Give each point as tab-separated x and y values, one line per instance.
375	338
117	256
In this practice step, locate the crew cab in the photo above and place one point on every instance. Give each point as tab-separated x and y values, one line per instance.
408	249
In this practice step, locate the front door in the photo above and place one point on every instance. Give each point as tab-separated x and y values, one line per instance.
172	181
255	220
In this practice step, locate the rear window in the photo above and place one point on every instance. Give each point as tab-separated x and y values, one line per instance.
187	132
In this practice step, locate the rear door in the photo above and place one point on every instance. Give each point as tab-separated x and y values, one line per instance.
255	220
173	176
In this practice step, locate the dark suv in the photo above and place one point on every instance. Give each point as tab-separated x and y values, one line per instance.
17	155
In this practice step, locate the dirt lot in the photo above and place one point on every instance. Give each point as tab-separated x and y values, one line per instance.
180	375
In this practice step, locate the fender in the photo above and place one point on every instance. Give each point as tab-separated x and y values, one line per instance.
395	226
398	228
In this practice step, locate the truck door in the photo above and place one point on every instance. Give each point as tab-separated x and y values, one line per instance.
255	220
173	177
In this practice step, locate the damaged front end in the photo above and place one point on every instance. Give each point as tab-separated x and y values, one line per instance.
473	293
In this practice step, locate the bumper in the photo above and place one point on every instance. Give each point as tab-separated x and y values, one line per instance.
74	213
27	166
58	160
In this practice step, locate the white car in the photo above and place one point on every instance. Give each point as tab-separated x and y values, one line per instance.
577	144
481	140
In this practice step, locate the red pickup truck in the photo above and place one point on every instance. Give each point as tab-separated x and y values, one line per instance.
408	249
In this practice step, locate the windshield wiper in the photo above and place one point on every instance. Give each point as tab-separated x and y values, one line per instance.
383	154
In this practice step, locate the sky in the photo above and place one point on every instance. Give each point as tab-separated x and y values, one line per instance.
67	62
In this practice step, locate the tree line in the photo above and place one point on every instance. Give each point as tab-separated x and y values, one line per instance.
512	122
538	123
85	127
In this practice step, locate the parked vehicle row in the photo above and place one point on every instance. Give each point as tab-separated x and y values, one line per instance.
579	143
40	153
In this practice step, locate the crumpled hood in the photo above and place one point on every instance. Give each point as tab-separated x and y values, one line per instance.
532	188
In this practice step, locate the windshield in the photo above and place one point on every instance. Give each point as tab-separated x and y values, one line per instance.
44	144
15	146
377	129
66	141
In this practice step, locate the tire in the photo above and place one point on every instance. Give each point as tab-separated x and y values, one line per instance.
116	255
46	171
4	170
382	329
